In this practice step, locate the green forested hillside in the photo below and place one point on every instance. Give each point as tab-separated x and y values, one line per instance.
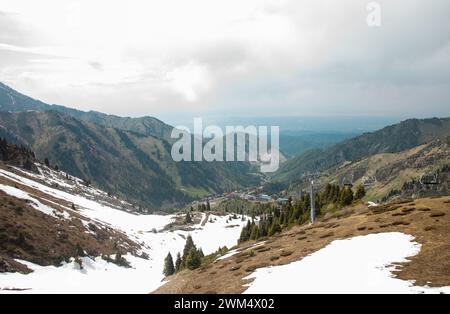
136	166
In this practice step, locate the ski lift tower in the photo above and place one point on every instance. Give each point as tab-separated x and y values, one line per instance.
313	203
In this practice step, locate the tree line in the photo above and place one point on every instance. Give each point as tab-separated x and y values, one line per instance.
299	212
191	259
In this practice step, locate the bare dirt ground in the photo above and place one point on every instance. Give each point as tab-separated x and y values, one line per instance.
428	220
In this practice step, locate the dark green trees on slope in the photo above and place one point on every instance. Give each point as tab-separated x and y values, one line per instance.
169	267
276	219
191	259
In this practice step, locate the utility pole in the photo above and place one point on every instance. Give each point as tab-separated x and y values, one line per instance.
313	203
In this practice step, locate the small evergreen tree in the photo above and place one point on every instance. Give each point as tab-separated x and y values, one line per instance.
275	228
169	268
193	260
346	197
360	192
187	248
178	262
245	233
254	234
188	219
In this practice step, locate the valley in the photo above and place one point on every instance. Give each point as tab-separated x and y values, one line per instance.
94	203
111	250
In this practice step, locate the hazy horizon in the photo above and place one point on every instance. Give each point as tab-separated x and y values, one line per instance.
289	125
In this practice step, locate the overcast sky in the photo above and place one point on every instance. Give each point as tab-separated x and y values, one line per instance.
235	57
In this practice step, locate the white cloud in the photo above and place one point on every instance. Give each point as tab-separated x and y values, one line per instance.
232	57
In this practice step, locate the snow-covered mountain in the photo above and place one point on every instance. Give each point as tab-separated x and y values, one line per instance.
89	242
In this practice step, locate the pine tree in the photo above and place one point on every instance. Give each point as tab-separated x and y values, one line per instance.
208	206
169	268
254	234
275	228
193	260
187	248
188	219
263	229
360	192
178	262
245	233
346	197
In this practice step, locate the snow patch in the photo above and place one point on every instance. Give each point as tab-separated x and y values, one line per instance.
33	202
99	276
360	265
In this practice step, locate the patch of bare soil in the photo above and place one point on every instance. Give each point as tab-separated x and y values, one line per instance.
428	220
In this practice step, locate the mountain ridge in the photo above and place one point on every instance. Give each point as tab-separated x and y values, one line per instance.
391	139
14	101
136	166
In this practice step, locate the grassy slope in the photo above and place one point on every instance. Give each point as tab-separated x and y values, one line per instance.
426	219
28	234
392	139
391	170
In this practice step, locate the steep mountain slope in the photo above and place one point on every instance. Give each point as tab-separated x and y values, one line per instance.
13	101
384	173
392	139
392	175
132	165
58	235
38	226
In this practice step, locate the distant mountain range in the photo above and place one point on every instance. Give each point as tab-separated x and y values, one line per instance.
392	139
131	156
125	156
294	144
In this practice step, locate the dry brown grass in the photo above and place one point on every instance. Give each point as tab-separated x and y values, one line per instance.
430	267
28	234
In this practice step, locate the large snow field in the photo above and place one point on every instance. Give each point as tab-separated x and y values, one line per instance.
359	265
101	277
98	276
